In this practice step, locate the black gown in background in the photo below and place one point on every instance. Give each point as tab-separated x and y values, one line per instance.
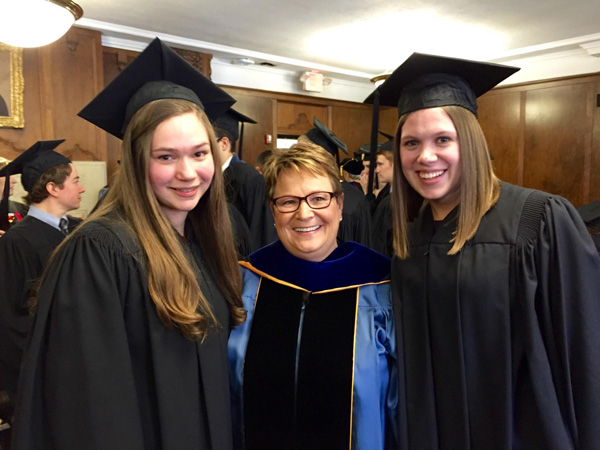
245	189
501	342
24	250
102	371
356	218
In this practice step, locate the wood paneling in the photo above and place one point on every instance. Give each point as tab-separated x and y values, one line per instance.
59	80
499	115
296	118
558	141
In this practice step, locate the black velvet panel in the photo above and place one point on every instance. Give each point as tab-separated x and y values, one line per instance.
319	416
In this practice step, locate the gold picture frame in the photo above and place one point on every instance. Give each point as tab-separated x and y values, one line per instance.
11	87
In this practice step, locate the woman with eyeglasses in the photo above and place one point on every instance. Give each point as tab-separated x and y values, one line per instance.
313	367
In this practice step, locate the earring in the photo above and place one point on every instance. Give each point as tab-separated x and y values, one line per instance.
274	225
340	219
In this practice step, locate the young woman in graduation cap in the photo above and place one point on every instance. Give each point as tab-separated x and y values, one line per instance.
495	286
128	349
313	367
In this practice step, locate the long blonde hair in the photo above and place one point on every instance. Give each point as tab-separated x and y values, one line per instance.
172	282
479	187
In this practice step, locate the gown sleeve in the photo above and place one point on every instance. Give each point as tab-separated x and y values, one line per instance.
559	287
78	358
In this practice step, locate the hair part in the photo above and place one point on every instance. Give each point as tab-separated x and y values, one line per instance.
55	174
174	289
479	186
303	156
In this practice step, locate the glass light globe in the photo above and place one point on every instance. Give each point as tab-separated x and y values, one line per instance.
33	23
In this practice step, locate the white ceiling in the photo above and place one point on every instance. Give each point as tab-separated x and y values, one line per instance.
352	38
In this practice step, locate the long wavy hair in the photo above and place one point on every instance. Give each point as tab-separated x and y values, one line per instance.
479	186
172	282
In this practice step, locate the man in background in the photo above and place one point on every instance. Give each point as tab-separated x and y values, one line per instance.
244	186
53	188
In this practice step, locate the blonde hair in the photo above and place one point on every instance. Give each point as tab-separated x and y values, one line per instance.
179	300
479	186
302	156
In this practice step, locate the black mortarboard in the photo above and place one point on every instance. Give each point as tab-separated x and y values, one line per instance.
323	136
158	72
387	145
352	166
428	81
31	164
230	122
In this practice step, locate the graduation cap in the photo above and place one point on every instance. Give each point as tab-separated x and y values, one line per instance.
428	81
158	72
31	164
230	122
323	136
365	149
352	166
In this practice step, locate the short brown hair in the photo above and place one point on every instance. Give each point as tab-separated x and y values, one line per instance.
55	174
302	156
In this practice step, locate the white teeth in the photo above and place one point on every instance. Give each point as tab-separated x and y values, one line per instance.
429	175
185	190
307	229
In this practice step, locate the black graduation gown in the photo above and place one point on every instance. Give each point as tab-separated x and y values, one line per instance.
245	189
501	341
356	217
24	250
383	235
102	371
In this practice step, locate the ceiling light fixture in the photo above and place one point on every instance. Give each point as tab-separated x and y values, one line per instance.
379	79
35	23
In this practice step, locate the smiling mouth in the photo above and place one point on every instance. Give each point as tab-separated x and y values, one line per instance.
190	189
430	175
316	227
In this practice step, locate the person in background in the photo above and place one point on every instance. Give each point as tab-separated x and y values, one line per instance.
245	188
53	187
590	213
261	159
129	344
15	211
495	286
382	239
356	217
314	366
350	170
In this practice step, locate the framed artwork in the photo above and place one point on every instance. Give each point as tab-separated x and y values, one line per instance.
11	87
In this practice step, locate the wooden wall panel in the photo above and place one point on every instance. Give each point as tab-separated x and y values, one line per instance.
262	110
595	157
296	118
499	114
13	141
60	79
558	141
76	56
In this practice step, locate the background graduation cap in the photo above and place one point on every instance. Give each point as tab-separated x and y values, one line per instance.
158	72
352	166
428	81
323	136
230	122
365	149
31	164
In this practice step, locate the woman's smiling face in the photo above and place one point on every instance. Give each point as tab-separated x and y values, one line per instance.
430	158
309	234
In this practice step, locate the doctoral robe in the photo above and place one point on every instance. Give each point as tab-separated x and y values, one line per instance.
313	367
